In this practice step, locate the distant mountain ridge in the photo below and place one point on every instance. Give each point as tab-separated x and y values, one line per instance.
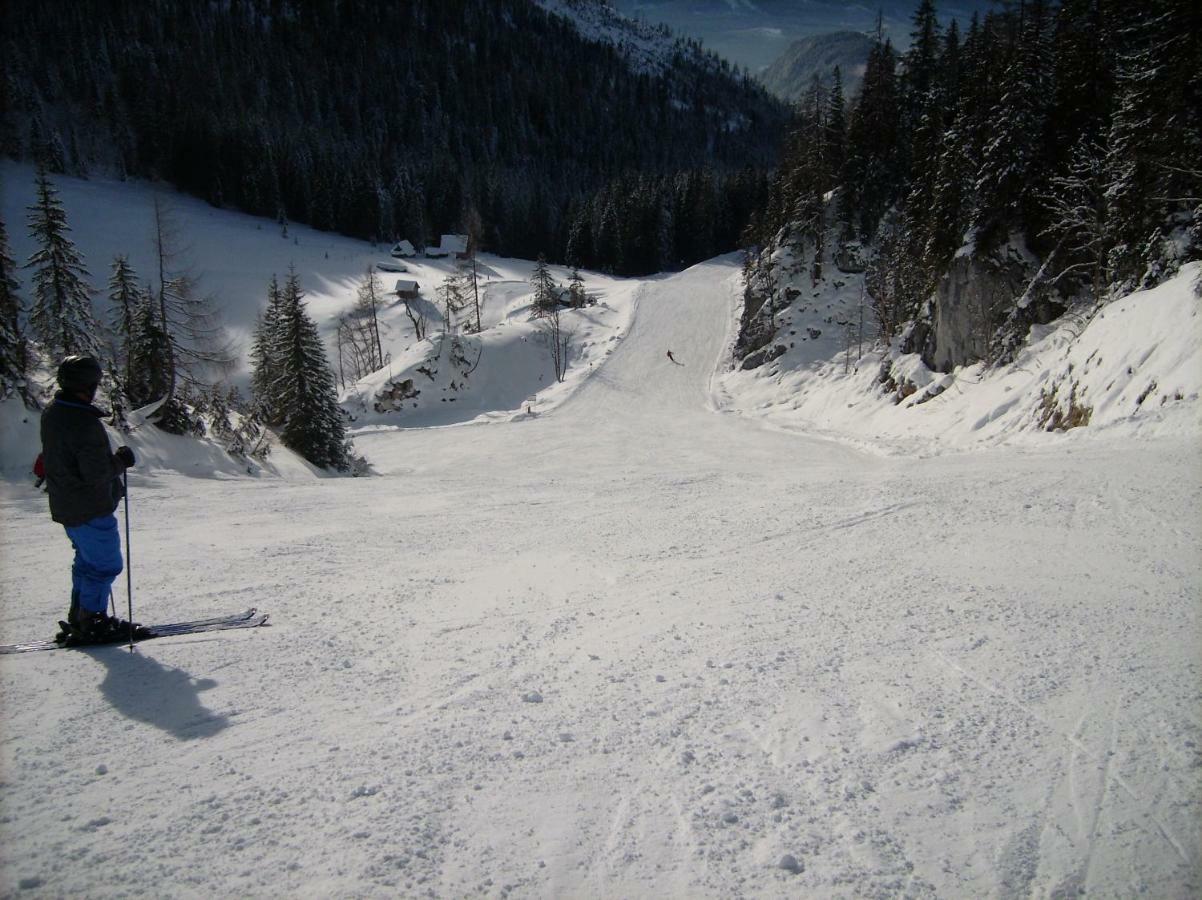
792	73
753	33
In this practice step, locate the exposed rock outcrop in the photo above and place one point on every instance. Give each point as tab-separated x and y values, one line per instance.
981	306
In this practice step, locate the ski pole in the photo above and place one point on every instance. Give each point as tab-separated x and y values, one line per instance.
129	577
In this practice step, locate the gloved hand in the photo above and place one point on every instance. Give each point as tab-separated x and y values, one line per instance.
126	457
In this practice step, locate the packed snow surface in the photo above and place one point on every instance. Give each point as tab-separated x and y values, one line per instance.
628	645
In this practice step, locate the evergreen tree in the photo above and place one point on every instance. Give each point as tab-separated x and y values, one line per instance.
1013	160
265	367
1154	179
874	161
304	394
546	294
836	131
13	353
1083	79
61	312
125	298
576	291
146	379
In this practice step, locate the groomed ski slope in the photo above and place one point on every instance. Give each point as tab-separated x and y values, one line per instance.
634	647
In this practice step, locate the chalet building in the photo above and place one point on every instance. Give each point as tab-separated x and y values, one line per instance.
455	245
451	245
406	290
403	250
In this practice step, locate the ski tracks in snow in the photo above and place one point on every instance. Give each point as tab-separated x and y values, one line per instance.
632	648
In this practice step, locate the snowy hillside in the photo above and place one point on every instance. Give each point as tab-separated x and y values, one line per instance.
1131	368
634	644
235	256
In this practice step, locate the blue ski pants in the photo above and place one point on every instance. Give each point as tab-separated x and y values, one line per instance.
97	561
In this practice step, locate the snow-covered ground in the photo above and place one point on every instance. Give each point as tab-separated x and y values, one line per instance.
1132	368
632	645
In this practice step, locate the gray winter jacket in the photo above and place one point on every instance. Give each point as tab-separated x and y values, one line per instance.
82	472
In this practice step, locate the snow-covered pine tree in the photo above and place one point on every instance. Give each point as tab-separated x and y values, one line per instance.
924	107
954	166
546	294
1155	140
265	368
125	296
1013	159
576	292
14	360
149	346
873	171
61	312
304	393
836	131
1083	43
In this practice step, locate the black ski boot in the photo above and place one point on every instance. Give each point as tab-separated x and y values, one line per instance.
122	630
95	628
73	612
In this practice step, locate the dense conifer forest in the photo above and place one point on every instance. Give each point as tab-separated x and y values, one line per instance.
1066	134
398	120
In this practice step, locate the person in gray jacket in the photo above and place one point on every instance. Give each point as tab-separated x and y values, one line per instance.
83	475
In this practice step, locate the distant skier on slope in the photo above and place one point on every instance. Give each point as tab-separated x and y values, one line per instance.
83	478
673	359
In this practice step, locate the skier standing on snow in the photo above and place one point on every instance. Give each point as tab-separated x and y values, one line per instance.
83	475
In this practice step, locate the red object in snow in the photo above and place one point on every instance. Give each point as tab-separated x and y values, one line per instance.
39	467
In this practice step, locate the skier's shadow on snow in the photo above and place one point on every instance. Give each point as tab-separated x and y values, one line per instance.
142	689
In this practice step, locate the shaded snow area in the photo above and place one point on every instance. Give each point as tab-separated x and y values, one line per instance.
1131	368
632	645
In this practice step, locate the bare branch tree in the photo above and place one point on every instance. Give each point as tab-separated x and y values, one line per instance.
416	317
198	344
559	340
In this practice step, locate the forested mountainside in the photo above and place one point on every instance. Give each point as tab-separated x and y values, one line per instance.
398	120
1046	157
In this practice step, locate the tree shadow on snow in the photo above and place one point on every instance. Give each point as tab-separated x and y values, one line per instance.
142	689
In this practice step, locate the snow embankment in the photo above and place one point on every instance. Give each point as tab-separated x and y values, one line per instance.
1133	368
155	450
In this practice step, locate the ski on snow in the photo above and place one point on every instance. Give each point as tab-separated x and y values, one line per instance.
252	618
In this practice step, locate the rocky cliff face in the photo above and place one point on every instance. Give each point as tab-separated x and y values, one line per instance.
966	310
973	314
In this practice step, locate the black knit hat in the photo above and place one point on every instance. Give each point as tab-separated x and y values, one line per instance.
79	374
